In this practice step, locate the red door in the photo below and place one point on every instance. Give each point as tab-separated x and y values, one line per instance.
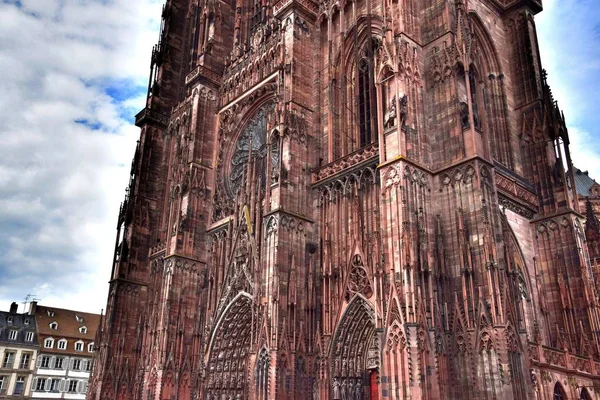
373	386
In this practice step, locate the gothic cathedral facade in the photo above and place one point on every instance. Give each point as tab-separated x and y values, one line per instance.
350	199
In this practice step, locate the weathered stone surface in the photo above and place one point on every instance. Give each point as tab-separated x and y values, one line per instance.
350	200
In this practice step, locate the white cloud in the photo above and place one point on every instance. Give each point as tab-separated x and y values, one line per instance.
61	182
569	36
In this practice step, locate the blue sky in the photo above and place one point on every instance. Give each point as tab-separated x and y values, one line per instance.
75	74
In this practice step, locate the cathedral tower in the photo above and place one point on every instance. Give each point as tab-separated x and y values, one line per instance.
344	200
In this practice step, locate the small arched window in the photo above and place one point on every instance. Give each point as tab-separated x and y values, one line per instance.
559	393
584	395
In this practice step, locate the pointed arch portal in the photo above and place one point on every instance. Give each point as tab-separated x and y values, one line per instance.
228	357
353	362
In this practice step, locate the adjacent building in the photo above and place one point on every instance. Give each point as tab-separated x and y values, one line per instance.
66	348
18	351
588	196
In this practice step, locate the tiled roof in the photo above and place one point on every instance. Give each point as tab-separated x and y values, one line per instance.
68	323
583	183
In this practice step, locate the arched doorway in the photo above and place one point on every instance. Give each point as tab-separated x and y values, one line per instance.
354	355
228	356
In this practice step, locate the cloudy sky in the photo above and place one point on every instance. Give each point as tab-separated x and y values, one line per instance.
74	73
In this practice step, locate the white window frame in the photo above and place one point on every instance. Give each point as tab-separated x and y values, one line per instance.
49	364
79	319
53	325
59	363
23	381
40	385
29	336
76	364
26	321
62	344
12	334
79	345
50	313
23	358
9	320
71	382
91	347
83	330
49	343
9	359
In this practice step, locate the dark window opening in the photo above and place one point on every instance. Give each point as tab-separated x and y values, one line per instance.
257	14
559	393
365	102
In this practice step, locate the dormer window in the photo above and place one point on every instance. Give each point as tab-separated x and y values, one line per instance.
54	325
26	322
48	343
79	319
12	334
9	320
50	313
91	347
83	329
62	344
79	346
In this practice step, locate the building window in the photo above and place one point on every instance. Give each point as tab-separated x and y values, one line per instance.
12	334
76	364
54	325
26	322
91	347
50	313
40	384
87	365
29	336
59	362
19	386
79	319
3	383
72	386
9	359
25	359
62	344
54	385
79	346
49	343
9	320
83	329
45	362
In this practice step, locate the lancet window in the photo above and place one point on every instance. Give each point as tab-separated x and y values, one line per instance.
262	375
365	109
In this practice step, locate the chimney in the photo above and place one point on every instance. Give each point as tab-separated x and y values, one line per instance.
14	307
32	307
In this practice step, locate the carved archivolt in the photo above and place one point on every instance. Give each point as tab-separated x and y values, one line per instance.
226	370
352	338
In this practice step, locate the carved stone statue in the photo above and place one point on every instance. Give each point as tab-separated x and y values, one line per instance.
464	115
389	119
